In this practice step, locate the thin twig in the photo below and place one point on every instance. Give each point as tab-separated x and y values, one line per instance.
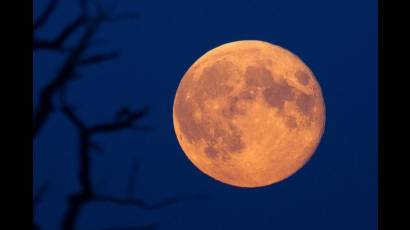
43	18
117	125
98	58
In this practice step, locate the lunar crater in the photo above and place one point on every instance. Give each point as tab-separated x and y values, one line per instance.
302	77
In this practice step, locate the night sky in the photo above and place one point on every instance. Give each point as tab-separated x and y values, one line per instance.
337	189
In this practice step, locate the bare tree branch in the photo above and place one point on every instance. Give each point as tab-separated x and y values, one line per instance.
97	58
63	77
39	44
58	42
43	18
69	30
123	119
85	136
127	123
73	118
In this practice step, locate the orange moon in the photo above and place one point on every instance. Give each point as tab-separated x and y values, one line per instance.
249	113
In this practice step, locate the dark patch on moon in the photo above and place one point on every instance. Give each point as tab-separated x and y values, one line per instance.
258	76
211	152
233	108
276	94
305	104
302	77
233	139
222	137
212	82
226	140
189	127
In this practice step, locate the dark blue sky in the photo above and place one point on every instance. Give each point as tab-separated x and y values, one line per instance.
337	189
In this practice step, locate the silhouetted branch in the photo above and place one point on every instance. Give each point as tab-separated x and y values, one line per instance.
63	77
39	44
85	136
70	29
74	59
58	42
124	119
43	18
97	58
73	118
126	123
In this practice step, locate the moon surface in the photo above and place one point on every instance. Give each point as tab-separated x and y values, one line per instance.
249	113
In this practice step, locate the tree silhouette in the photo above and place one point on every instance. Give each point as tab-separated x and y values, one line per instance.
92	16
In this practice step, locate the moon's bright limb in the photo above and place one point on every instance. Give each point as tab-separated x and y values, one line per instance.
249	113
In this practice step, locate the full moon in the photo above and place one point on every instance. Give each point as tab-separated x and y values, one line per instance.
249	113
